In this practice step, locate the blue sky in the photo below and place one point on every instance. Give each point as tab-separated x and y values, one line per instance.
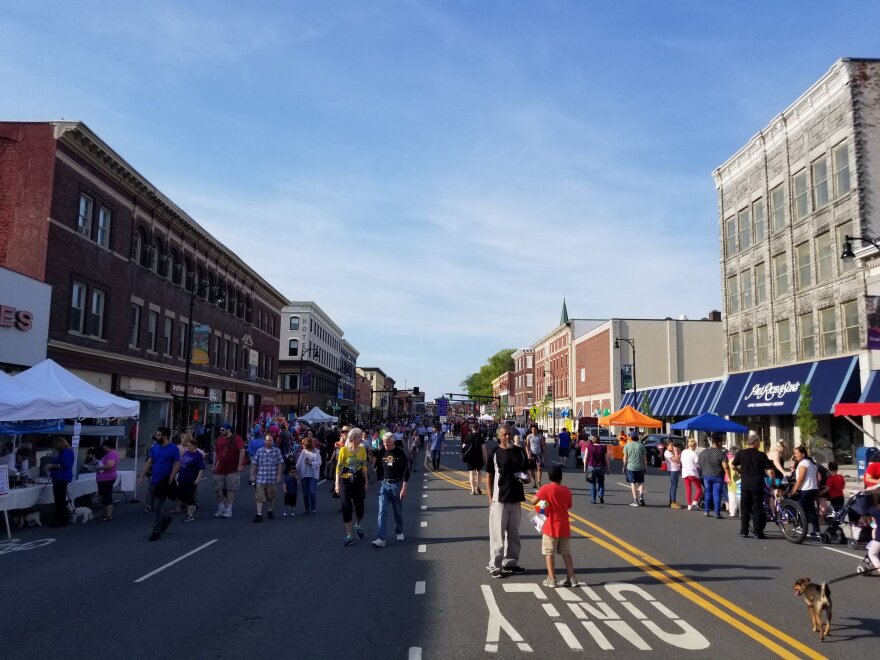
438	175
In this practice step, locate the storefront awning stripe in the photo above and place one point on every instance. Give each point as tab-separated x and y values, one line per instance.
871	393
833	381
690	404
730	394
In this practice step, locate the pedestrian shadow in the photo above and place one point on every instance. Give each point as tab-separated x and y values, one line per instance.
456	508
452	539
709	573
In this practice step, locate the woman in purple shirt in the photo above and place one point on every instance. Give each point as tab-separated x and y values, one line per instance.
106	477
596	465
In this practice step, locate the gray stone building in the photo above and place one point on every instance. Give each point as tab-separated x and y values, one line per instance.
795	311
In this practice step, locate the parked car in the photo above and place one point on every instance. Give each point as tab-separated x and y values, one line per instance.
655	445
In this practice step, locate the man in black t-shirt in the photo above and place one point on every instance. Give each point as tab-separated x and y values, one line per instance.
505	491
753	465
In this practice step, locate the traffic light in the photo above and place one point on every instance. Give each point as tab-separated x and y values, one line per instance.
416	391
393	391
550	390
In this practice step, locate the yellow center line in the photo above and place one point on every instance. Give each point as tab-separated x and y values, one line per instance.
679	583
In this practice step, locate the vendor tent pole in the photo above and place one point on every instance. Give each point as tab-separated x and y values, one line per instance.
137	433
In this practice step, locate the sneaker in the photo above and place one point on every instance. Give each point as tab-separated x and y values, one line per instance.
292	514
690	507
166	520
359	531
378	543
551	583
400	537
188	518
634	503
760	537
516	570
227	513
270	515
641	501
285	514
258	518
220	511
148	509
592	501
496	573
719	516
155	536
674	505
348	541
570	582
814	535
601	500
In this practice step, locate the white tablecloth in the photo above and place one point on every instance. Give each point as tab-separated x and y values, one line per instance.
29	496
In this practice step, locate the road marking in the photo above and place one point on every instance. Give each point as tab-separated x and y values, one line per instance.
415	653
420	588
424	523
551	611
844	552
424	507
425	495
569	637
748	624
423	548
322	481
497	623
171	563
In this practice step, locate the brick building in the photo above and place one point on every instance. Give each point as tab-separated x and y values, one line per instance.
796	312
124	263
523	382
504	387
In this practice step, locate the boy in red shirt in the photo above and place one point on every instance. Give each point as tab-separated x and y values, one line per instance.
556	533
835	485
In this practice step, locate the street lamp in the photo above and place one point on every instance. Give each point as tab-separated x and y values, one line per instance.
847	255
552	394
311	351
632	345
201	289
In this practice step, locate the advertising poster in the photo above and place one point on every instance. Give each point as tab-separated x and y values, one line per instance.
201	336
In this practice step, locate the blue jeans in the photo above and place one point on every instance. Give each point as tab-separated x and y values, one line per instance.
309	486
598	483
673	485
712	487
389	493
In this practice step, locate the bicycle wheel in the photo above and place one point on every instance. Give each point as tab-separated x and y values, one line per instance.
792	521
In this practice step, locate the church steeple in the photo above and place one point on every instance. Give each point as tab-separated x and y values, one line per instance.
563	318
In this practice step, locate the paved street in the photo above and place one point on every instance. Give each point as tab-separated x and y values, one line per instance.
653	579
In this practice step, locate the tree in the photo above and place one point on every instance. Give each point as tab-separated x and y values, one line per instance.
479	384
645	405
806	420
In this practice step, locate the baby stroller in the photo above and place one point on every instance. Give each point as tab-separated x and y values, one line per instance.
850	524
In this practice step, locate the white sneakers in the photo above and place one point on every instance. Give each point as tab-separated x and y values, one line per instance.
221	509
378	543
400	537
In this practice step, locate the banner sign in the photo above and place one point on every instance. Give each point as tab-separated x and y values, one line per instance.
32	426
200	337
872	305
443	407
626	378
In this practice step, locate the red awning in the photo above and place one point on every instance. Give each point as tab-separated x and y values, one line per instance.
857	409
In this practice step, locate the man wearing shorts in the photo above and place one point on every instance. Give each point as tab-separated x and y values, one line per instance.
634	459
266	472
228	461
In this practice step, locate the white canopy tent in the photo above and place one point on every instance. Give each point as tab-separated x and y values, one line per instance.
486	417
317	416
70	396
20	402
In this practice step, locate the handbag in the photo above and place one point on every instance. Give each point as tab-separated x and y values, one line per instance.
591	477
538	521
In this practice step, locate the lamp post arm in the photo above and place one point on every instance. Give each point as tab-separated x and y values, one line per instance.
188	351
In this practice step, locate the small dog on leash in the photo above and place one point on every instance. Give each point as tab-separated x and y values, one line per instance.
81	514
29	519
818	599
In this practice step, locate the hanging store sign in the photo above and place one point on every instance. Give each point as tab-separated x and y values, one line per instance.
200	340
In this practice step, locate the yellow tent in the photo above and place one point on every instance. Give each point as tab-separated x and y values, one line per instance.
629	416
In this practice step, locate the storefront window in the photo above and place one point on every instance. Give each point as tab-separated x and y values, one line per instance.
850	313
763	348
808	336
749	349
828	328
783	340
735	353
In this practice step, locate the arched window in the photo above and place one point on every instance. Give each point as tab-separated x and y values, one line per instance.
174	259
248	310
230	298
187	274
200	280
293	348
145	250
239	304
157	258
136	243
294	323
212	291
222	293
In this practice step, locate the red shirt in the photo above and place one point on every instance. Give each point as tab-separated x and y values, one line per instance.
227	451
874	471
835	483
558	500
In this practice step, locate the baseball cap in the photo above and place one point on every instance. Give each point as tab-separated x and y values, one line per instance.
226	426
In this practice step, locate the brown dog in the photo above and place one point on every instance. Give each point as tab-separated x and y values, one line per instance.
818	598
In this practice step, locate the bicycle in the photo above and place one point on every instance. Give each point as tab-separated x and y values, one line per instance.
789	516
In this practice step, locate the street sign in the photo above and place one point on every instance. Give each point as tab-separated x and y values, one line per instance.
442	407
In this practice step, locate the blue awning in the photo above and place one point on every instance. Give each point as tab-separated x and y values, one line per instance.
731	392
776	391
681	400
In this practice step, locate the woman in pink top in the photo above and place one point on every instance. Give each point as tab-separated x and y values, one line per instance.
106	477
690	472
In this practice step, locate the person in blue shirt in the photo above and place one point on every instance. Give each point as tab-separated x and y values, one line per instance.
437	438
162	466
61	466
563	446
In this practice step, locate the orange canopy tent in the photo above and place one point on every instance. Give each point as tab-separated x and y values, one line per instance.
629	416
